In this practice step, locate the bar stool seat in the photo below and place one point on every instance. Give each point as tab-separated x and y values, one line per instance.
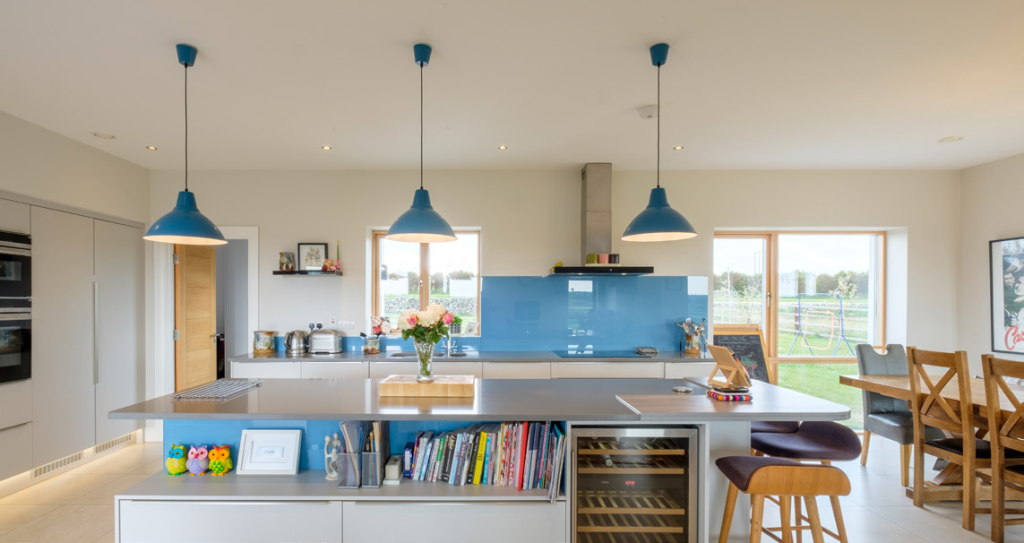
774	426
822	440
763	476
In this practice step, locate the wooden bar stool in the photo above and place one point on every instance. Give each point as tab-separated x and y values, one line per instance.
761	477
815	441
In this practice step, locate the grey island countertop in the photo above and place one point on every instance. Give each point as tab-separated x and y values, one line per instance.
494	399
464	356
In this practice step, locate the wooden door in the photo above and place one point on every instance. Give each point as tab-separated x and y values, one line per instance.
119	332
63	370
195	316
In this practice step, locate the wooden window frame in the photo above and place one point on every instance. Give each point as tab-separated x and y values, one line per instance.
378	235
772	286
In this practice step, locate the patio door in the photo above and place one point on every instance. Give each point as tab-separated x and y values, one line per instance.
742	282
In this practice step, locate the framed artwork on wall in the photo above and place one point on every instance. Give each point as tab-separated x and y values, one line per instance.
269	452
311	256
1006	272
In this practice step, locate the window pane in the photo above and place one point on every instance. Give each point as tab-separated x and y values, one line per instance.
828	293
454	276
739	281
399	278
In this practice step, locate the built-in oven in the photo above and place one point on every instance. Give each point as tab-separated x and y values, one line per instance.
15	347
15	273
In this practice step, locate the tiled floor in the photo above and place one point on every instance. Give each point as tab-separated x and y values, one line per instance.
78	506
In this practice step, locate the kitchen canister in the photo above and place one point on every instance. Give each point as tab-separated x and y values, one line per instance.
263	342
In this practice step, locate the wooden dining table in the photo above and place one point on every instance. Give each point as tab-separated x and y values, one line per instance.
948	484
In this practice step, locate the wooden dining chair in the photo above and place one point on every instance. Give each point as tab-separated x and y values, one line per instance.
1006	431
931	410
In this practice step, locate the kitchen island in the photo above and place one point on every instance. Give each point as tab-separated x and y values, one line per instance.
314	510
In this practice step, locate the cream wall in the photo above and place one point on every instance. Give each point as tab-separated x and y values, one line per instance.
991	196
42	164
531	219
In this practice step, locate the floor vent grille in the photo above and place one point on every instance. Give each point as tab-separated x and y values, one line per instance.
114	442
57	464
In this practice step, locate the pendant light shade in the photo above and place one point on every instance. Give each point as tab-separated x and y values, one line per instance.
184	224
421	224
659	222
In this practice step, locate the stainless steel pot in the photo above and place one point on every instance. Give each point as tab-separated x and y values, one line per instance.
296	342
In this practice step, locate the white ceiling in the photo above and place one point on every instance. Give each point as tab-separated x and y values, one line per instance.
797	84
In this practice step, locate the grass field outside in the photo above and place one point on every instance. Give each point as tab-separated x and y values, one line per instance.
822	381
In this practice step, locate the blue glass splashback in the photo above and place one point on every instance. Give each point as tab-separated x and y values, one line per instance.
591	313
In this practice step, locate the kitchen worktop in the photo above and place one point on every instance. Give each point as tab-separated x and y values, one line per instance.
470	356
494	399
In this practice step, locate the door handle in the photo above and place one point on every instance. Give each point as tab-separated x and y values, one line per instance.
95	332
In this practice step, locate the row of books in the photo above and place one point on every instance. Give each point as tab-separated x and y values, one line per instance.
524	455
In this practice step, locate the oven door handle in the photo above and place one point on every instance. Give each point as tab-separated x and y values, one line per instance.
7	317
16	252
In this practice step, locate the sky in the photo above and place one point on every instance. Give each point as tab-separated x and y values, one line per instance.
828	253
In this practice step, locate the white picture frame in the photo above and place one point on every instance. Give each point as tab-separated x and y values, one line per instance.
269	452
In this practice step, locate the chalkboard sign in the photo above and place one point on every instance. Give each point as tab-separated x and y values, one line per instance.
747	344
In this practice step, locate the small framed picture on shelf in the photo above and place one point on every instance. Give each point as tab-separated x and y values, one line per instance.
269	452
311	256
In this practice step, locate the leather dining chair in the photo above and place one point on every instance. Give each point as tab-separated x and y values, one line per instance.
886	416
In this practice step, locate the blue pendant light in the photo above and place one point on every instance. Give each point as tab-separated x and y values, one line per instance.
659	222
184	224
421	224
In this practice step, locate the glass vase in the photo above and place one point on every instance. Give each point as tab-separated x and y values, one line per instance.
425	354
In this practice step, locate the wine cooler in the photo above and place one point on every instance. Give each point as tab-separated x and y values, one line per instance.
634	485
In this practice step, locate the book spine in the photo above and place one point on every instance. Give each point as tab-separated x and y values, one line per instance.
407	461
543	454
439	456
522	455
481	455
467	459
471	456
446	459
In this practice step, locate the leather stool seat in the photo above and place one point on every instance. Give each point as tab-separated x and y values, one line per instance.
774	426
815	440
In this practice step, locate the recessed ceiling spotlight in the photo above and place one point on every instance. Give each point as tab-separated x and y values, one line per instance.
951	139
326	147
678	148
503	147
151	148
103	136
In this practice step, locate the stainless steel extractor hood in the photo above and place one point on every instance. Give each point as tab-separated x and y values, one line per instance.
596	225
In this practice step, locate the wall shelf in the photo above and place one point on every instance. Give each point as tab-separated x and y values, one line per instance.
301	273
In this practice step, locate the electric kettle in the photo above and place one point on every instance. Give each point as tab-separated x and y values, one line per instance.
296	342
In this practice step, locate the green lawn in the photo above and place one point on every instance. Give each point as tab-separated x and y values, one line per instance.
822	381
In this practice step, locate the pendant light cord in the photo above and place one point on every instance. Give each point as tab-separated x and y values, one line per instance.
658	174
186	128
421	126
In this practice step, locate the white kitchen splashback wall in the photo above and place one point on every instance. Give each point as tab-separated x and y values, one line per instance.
531	219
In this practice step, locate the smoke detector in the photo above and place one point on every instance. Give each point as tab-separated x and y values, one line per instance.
647	112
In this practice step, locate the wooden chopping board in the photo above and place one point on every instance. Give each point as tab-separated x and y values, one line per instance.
443	386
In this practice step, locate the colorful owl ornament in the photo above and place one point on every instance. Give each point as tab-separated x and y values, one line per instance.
220	460
197	463
176	460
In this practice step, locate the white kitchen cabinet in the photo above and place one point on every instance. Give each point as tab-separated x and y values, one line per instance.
607	370
517	370
682	370
119	332
380	370
335	370
15	404
63	375
456	522
229	521
14	217
266	370
16	443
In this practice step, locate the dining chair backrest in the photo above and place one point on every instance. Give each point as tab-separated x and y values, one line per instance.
927	403
892	362
1009	430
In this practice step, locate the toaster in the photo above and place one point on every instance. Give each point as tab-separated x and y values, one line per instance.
324	342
